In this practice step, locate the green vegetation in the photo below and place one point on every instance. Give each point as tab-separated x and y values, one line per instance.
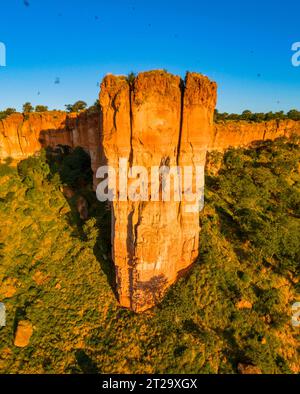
6	112
73	166
257	116
76	107
41	108
27	107
131	78
94	108
79	106
234	305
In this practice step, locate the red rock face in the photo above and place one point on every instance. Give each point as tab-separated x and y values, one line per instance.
243	133
20	134
156	121
24	135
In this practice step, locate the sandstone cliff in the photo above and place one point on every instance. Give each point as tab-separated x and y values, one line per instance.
243	133
20	135
24	135
157	120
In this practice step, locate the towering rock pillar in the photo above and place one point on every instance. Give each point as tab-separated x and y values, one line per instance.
152	123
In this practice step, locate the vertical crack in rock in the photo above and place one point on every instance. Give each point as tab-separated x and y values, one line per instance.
19	128
155	124
116	144
198	108
131	87
182	87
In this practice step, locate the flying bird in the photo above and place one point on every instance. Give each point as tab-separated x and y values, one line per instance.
26	3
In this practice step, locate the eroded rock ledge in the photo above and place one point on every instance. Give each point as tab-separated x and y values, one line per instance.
154	120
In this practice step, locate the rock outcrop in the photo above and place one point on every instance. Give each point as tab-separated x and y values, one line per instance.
23	333
157	120
22	135
242	133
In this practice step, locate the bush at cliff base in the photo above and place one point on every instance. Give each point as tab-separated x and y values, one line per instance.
233	308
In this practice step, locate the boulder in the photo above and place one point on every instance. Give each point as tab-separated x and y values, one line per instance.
23	333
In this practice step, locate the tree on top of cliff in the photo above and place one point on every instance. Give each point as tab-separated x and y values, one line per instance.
41	108
27	107
131	77
76	107
5	113
95	107
294	114
10	111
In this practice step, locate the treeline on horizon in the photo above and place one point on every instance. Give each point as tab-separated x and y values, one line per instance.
249	116
27	108
246	115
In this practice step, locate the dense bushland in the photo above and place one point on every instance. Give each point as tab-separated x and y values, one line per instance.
234	306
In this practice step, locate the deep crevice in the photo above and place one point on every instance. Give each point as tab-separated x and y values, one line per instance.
130	121
18	134
182	90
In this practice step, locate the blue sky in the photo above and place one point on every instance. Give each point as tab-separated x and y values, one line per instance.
244	46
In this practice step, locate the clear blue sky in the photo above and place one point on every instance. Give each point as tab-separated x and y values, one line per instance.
245	46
